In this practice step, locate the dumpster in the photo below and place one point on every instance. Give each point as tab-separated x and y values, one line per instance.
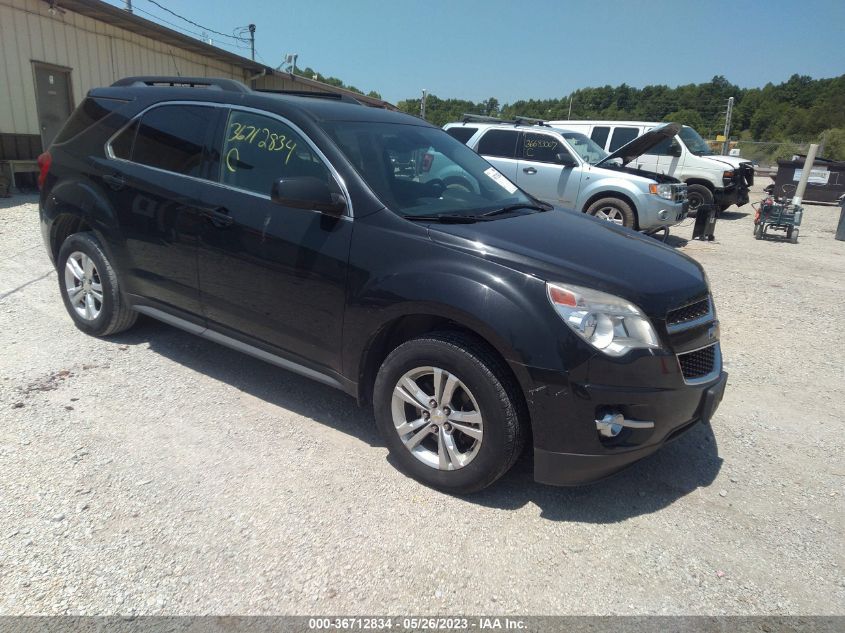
826	182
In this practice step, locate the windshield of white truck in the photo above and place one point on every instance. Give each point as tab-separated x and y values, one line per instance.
694	142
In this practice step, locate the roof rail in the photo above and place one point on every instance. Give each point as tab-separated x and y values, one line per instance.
516	120
212	83
313	94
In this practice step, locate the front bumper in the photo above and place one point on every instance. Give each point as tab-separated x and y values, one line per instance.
655	212
568	468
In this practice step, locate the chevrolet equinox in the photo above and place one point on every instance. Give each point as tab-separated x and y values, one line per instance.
295	228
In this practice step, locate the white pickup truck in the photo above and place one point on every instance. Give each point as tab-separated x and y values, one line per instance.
711	178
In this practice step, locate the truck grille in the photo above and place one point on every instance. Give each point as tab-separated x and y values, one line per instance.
699	363
747	172
690	312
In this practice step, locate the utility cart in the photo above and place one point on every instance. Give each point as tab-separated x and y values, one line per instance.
774	214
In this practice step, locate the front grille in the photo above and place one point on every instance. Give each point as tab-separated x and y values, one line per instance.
689	312
747	171
698	363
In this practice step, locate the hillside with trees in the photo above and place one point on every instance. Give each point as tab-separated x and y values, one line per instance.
798	110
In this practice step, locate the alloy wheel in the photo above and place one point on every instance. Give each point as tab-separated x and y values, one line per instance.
437	418
83	285
611	214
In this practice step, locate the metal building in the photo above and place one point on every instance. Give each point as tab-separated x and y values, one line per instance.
53	51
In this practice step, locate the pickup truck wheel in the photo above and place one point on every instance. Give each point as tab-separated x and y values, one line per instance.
89	287
448	412
698	195
613	210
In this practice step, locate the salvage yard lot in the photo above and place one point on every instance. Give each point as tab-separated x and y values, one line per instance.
156	472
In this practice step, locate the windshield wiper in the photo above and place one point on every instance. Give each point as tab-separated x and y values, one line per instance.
513	207
447	218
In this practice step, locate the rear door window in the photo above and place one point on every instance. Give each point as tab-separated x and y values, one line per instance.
622	136
499	143
600	134
258	150
463	134
175	138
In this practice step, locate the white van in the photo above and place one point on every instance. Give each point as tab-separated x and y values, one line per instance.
712	179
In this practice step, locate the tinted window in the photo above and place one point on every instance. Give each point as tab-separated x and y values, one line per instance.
121	146
599	135
463	134
622	136
173	138
258	150
501	143
541	147
89	112
662	148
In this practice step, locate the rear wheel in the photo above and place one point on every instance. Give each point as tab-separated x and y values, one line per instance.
448	412
698	195
89	287
613	210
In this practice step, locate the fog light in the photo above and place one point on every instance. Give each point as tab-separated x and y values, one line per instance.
663	214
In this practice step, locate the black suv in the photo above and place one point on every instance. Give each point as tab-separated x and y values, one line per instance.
318	234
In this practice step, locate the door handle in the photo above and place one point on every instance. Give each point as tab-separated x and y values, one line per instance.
219	216
115	181
529	170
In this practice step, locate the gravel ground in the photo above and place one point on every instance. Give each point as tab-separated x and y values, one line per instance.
158	473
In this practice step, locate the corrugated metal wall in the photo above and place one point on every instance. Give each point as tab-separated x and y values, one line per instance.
96	53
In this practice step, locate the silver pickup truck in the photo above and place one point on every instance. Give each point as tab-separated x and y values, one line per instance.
568	169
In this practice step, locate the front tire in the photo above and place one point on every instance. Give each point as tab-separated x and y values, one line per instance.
613	210
89	287
698	195
449	412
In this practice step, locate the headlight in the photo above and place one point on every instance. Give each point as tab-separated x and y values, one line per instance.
664	191
610	324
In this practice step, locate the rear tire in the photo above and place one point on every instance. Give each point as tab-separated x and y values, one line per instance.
429	442
613	210
89	287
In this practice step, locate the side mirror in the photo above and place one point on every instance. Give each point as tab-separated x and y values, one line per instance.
565	159
308	192
674	149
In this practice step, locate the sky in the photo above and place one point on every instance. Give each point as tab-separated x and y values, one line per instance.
522	49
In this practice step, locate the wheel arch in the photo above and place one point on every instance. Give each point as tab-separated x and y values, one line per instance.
613	194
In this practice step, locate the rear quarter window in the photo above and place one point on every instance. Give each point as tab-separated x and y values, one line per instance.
92	110
463	134
622	136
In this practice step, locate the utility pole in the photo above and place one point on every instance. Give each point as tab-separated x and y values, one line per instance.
728	113
252	40
129	5
569	116
422	105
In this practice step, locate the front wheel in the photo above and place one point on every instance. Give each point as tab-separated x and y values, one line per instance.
449	412
613	210
89	287
698	196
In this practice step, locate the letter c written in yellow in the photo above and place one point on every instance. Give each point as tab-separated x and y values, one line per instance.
234	151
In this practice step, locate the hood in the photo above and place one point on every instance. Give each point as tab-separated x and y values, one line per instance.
642	144
733	161
571	247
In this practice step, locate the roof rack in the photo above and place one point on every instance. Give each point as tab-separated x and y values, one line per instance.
211	83
313	94
516	120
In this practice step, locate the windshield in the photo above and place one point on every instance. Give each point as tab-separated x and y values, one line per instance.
694	142
422	171
587	149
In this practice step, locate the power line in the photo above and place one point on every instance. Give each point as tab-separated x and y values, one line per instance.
205	28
